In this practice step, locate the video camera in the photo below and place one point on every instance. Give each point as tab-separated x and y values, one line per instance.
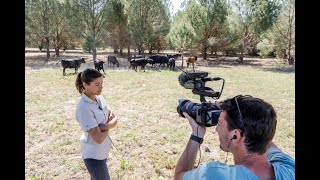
204	113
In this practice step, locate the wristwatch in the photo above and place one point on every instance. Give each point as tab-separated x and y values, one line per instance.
196	138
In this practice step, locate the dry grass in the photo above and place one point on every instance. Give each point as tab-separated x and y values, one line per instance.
150	135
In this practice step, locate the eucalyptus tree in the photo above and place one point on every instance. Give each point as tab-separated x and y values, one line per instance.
148	23
181	35
249	19
207	18
39	16
87	19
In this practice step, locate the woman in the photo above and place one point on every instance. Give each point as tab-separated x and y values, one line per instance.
95	119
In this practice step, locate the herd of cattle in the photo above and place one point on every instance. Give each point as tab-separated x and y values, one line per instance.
134	62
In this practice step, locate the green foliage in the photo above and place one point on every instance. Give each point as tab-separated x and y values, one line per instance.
117	25
265	14
38	19
282	34
265	48
126	165
149	23
87	19
181	35
33	178
88	44
208	20
250	19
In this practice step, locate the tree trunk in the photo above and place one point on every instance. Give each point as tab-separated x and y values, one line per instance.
241	57
142	51
94	53
291	60
182	60
57	52
64	47
205	52
40	47
129	50
48	49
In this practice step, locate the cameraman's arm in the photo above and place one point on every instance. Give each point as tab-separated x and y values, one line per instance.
188	157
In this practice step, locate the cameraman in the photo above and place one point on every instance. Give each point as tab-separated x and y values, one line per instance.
246	128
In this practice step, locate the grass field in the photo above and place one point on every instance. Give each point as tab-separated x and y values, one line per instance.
150	135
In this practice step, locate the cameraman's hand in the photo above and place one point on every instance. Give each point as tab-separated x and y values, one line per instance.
194	126
218	104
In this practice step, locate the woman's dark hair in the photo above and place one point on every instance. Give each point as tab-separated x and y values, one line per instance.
259	121
86	76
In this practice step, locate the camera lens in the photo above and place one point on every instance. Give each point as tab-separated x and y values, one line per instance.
187	106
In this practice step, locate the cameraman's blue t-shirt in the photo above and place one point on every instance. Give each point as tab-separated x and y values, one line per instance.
283	165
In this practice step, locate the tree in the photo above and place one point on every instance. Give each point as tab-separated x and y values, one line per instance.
284	30
250	18
59	28
181	35
148	23
39	15
87	19
207	18
117	25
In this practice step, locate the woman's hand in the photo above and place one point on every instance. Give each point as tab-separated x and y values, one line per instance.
112	116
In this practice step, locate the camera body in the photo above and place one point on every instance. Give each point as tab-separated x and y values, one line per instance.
204	113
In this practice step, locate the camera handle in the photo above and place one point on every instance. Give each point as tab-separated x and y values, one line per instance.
202	99
216	79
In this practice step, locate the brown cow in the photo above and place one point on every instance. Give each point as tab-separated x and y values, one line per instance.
192	60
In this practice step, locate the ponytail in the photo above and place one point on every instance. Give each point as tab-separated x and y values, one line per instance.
79	85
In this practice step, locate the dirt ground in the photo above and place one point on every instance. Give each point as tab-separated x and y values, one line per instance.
36	60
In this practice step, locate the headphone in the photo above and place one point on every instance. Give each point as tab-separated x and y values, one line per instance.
234	137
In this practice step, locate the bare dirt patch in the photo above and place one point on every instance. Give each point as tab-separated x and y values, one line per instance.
36	60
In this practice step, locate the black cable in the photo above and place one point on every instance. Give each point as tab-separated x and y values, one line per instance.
227	151
112	142
199	148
